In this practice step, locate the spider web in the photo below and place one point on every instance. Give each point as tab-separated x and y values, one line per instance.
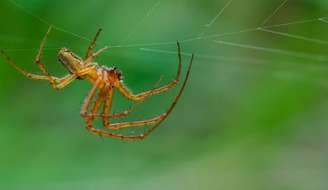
204	39
283	42
204	35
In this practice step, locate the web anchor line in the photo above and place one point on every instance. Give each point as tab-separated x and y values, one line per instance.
136	27
313	40
274	13
319	58
213	20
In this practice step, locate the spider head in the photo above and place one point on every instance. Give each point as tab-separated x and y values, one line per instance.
70	61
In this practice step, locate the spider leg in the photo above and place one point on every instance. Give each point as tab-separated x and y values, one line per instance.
42	67
147	122
92	44
90	55
59	83
100	51
108	103
154	120
117	115
22	71
107	106
89	118
137	97
63	82
107	96
88	99
169	111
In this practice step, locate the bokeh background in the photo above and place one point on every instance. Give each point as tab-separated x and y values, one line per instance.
249	119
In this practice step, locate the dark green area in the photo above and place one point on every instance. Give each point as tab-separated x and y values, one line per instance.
248	120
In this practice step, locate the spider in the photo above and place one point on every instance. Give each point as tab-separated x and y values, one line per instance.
105	80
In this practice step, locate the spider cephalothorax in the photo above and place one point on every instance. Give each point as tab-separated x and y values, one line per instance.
105	80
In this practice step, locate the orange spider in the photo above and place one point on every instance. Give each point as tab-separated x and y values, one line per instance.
106	79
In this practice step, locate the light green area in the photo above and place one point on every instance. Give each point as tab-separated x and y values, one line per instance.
248	120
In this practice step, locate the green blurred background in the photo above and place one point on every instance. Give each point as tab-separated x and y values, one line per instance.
248	119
